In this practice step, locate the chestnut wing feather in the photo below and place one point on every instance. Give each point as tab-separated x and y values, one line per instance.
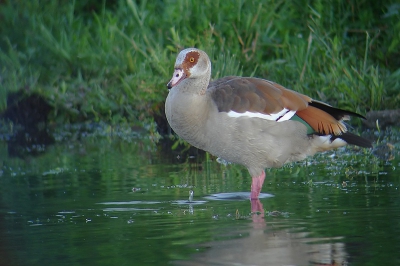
257	95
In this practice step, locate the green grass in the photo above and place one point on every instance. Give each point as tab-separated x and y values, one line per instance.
110	61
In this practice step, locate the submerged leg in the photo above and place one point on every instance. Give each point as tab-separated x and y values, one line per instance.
257	213
256	185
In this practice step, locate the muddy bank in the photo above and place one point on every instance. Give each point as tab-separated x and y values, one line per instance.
31	111
385	118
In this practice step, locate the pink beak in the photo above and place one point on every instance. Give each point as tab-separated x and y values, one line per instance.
177	77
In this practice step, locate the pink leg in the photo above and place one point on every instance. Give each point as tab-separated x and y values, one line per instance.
256	185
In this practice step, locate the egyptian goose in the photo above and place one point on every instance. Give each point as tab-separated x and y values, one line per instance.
250	121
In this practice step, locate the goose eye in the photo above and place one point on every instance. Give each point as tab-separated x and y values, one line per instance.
191	60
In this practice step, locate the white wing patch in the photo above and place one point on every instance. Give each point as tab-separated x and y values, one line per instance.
283	115
325	143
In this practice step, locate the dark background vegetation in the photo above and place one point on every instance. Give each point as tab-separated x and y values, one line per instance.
110	60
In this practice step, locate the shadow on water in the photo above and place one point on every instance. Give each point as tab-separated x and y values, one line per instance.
102	196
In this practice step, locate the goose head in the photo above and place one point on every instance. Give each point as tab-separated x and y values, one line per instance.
191	64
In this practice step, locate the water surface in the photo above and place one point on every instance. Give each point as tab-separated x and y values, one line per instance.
112	200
